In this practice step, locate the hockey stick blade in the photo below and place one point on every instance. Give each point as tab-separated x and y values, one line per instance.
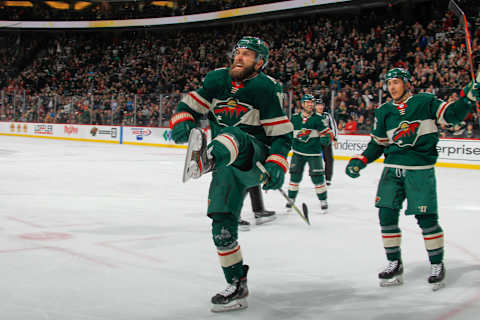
304	214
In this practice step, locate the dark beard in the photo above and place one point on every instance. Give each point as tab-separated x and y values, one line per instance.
240	76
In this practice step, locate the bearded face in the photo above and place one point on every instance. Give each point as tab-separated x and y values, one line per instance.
244	65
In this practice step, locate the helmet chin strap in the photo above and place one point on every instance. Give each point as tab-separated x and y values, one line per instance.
404	96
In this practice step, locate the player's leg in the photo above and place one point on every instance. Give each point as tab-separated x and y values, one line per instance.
390	195
422	202
434	243
328	158
317	174
226	194
225	235
297	165
391	237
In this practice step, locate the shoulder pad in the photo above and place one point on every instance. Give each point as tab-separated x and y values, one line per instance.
215	76
382	105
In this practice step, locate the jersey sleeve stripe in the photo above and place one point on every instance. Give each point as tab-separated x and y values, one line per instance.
324	132
441	112
277	128
273	122
380	141
196	102
231	144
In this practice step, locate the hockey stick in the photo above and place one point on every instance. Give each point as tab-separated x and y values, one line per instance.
304	214
452	6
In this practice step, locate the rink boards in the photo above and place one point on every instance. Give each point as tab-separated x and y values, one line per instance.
457	153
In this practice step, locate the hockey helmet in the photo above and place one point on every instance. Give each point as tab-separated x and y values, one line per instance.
399	73
307	97
254	44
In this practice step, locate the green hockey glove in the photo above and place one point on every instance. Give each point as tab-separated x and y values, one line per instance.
181	124
471	91
276	167
354	166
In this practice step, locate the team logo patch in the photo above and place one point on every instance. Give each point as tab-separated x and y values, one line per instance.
230	112
406	134
304	135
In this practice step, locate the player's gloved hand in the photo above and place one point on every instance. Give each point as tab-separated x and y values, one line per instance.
354	166
276	166
276	176
181	124
471	91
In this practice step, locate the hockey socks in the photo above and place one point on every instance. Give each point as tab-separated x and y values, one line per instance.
391	234
433	237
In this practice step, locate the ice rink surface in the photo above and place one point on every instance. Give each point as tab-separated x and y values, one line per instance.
101	231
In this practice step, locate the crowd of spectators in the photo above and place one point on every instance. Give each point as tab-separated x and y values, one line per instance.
137	77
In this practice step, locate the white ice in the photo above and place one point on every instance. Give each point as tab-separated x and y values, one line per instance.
103	231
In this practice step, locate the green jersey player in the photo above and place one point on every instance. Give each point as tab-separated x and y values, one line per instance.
244	108
310	134
405	131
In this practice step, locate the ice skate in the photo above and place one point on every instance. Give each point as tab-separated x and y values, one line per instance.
243	225
392	275
437	276
198	160
264	216
324	206
233	297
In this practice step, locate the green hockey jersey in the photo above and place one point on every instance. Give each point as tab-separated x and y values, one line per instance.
309	134
253	105
407	133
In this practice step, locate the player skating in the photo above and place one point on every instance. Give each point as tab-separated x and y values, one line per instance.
310	134
405	131
244	108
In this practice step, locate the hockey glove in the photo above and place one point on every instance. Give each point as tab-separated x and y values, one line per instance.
276	167
354	166
471	91
181	124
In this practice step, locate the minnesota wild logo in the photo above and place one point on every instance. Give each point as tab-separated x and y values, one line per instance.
304	135
406	134
230	112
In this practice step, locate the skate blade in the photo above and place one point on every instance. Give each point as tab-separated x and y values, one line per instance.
238	304
395	281
194	145
437	286
244	228
262	220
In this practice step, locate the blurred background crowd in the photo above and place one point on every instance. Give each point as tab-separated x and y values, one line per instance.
136	77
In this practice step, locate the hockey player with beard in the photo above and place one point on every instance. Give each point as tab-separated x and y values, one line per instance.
406	131
244	108
310	134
